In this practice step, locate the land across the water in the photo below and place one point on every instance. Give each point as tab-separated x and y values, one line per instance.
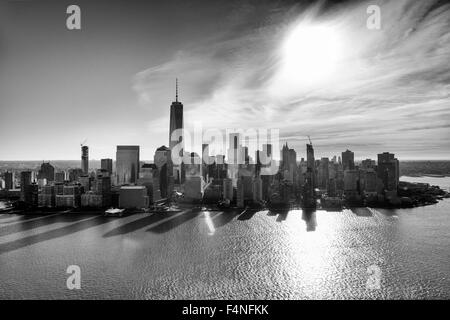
410	194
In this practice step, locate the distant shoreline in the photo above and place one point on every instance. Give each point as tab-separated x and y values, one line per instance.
429	175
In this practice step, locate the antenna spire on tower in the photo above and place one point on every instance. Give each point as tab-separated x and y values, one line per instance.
176	89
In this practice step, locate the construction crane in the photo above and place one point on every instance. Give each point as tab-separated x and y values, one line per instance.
82	143
310	142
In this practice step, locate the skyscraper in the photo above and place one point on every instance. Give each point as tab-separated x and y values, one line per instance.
176	123
310	156
228	189
308	194
127	164
257	189
205	158
348	160
47	171
107	165
60	176
234	149
9	182
234	156
267	149
85	159
25	183
285	157
323	173
388	170
163	163
288	163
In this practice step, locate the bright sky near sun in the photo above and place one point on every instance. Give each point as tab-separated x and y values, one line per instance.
307	69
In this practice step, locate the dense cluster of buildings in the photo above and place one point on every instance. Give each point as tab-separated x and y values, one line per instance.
236	179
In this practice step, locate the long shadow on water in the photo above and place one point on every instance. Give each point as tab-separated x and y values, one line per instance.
247	214
175	221
52	234
282	215
138	224
4	216
226	217
26	224
21	217
362	212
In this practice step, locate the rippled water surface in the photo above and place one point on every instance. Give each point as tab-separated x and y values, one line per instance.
230	255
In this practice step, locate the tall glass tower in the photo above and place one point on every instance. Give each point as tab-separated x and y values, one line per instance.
127	164
176	119
85	159
176	123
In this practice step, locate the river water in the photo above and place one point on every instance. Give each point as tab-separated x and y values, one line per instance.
231	255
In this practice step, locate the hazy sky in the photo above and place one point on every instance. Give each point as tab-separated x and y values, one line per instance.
307	68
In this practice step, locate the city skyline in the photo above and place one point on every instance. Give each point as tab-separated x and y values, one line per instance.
113	89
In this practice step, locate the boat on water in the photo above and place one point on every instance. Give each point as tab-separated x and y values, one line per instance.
6	207
114	212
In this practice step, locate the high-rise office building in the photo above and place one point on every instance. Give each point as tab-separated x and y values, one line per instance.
149	178
25	181
47	171
107	165
30	194
85	159
288	163
71	197
348	160
102	187
85	182
310	162
308	194
193	188
9	182
133	197
193	167
285	157
234	148
74	174
176	124
368	164
163	162
205	161
370	181
127	164
234	156
388	170
240	192
60	176
245	156
228	189
267	149
47	197
323	173
257	189
221	166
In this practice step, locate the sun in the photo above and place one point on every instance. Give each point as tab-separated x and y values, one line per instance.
309	55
